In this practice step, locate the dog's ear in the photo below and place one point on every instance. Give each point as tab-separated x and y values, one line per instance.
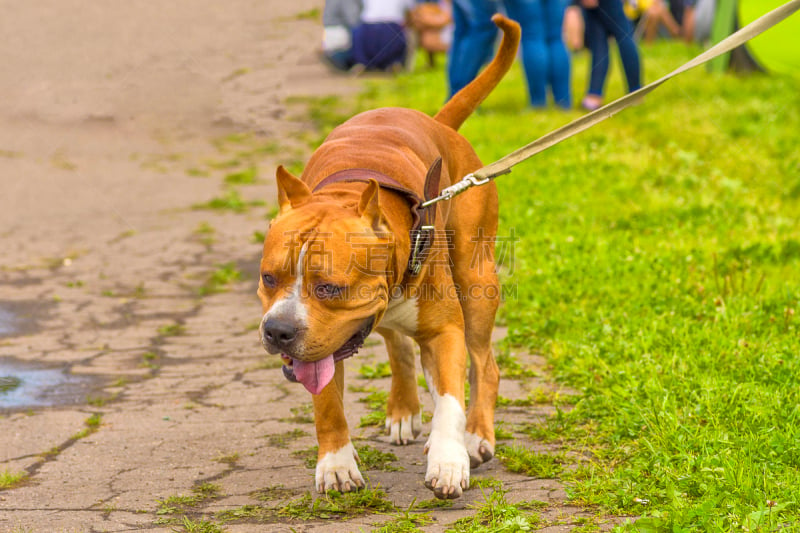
368	206
291	191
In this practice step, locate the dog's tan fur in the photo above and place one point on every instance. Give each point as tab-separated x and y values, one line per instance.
436	310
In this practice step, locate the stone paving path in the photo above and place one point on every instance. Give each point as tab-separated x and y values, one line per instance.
121	119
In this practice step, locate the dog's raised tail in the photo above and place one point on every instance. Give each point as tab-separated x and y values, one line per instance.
465	101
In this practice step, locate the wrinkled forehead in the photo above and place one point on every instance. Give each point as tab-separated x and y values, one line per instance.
322	245
345	253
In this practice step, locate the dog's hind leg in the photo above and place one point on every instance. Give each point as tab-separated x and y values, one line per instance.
484	375
403	412
475	276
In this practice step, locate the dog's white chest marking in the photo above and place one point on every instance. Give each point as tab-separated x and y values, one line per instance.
401	315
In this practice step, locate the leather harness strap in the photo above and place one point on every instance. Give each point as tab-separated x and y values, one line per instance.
422	227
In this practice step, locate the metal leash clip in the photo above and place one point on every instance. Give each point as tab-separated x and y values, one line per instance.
467	182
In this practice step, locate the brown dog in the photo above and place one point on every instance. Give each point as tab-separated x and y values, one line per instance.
351	251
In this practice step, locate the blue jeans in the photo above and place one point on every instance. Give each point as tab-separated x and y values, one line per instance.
544	56
609	19
379	46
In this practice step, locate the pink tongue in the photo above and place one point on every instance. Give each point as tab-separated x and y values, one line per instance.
314	376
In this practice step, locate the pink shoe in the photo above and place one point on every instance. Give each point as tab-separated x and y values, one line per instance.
591	103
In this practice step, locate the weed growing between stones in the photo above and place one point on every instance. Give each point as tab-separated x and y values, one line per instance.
282	440
9	480
219	279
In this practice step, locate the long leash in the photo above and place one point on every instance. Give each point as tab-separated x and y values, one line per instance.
503	166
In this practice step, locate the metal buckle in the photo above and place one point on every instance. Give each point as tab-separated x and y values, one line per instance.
415	264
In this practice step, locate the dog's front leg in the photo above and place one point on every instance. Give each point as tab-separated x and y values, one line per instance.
444	362
337	466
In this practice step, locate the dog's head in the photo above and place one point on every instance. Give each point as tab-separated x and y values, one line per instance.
324	279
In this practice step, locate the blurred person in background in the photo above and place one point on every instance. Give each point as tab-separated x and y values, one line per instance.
650	16
698	16
338	20
604	18
379	40
544	56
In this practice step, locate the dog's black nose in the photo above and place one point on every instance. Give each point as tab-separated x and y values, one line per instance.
279	333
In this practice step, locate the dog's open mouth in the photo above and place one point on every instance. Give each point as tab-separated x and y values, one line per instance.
315	375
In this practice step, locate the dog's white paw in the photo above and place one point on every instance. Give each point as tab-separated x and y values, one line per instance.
478	448
448	461
448	468
404	430
339	471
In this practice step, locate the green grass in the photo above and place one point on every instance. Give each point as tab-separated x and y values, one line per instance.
150	360
92	425
368	500
272	493
331	506
182	502
485	483
229	458
312	14
282	440
171	330
301	414
377	371
230	201
656	267
9	383
524	461
9	480
199	526
97	401
495	515
247	176
376	402
219	279
435	503
371	458
307	455
407	521
511	368
538	396
204	233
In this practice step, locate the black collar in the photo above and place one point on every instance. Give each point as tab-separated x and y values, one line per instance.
422	228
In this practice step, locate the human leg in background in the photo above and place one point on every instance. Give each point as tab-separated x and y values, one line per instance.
689	18
657	15
574	28
473	36
535	59
612	17
559	75
597	43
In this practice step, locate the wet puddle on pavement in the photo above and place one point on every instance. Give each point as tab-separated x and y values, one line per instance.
26	384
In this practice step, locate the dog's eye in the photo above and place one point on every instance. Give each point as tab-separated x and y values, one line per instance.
325	291
269	281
